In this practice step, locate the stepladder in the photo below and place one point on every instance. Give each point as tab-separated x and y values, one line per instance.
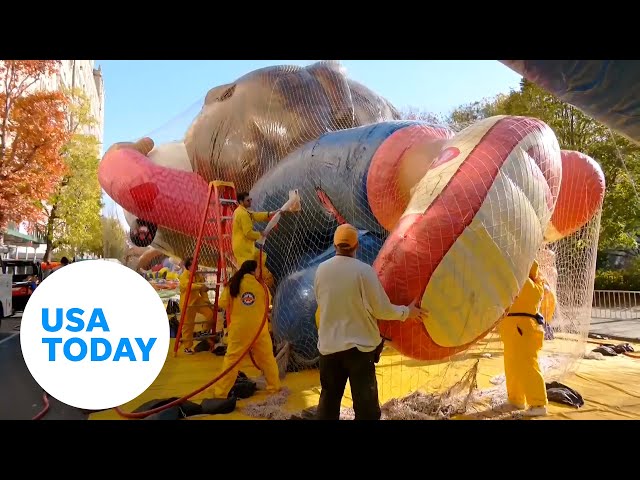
214	241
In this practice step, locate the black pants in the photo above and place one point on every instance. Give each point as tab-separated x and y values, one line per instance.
357	367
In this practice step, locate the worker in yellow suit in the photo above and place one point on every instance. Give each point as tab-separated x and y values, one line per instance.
198	303
244	237
548	307
245	302
522	334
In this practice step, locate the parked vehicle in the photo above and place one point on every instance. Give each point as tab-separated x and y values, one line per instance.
26	274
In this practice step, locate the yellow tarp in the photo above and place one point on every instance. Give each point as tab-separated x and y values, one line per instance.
610	387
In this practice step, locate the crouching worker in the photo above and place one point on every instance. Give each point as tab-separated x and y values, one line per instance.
245	301
198	303
522	333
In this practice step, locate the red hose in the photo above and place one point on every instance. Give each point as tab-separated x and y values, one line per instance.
179	401
45	409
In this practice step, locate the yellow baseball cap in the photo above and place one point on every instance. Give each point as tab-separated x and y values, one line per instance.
346	235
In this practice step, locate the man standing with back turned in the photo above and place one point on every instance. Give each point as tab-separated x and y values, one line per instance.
350	301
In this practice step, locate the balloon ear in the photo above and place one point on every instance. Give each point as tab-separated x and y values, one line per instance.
144	145
331	77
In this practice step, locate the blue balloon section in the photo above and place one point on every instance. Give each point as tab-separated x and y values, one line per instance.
294	306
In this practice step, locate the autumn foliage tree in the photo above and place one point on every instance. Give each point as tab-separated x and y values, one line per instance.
33	129
72	213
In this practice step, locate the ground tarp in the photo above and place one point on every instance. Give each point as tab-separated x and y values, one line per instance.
609	386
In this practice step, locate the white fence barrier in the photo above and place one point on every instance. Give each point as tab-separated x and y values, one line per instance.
616	305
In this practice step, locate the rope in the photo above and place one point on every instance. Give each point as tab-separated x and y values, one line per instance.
45	409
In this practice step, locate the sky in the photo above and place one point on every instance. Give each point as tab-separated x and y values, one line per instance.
159	98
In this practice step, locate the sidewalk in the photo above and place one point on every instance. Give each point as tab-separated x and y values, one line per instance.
627	330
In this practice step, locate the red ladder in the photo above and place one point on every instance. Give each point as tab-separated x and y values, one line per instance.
215	228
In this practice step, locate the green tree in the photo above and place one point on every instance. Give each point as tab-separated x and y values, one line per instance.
413	113
470	113
73	211
114	238
618	157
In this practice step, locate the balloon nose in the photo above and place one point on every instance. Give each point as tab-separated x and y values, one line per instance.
143	233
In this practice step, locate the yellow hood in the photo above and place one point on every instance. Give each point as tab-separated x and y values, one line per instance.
533	273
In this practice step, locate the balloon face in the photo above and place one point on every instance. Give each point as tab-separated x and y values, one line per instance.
244	129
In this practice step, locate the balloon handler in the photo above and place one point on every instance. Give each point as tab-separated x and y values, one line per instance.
198	303
244	237
244	301
522	333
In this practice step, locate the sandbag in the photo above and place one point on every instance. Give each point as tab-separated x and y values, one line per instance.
606	351
560	393
172	413
185	409
621	348
202	346
611	350
218	406
220	350
243	388
306	414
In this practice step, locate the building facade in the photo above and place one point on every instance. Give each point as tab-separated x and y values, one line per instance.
24	241
84	75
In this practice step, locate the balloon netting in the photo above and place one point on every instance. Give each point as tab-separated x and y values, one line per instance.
353	159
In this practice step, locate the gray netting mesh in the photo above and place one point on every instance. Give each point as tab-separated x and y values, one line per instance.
452	218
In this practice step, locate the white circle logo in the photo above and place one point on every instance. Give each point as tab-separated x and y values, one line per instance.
94	335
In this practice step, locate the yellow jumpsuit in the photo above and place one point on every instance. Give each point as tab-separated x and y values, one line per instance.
199	299
244	237
523	337
548	307
246	312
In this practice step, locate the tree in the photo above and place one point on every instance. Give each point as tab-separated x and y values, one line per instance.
618	157
470	113
73	211
32	132
114	238
413	113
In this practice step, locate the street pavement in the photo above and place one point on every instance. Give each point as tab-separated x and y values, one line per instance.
21	397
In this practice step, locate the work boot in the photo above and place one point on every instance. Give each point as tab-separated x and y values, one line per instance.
509	407
515	405
535	412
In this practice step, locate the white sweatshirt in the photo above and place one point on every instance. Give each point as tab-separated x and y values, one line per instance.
351	300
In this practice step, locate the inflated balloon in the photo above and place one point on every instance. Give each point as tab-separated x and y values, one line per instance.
483	206
582	193
294	306
607	90
454	220
244	129
342	178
